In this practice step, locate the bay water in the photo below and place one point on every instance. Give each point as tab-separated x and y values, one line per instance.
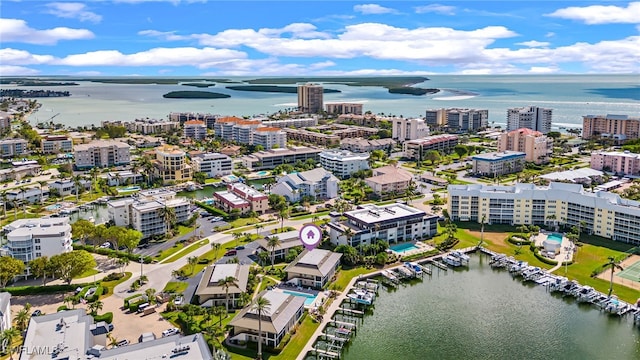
570	97
482	313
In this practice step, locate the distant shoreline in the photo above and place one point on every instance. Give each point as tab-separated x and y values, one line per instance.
274	89
194	95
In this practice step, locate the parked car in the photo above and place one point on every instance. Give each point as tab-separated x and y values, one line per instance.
169	332
37	313
122	343
231	253
178	300
106	245
241	247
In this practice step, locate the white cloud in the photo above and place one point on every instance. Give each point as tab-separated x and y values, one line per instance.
543	70
22	57
11	70
601	14
15	30
436	8
71	10
549	34
186	56
371	9
164	35
534	43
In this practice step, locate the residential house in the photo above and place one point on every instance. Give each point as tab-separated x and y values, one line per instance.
316	183
389	179
313	268
211	292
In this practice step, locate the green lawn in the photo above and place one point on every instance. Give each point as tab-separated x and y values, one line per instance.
110	285
344	276
87	273
211	256
212	180
265	283
311	216
183	230
175	287
169	252
244	222
189	249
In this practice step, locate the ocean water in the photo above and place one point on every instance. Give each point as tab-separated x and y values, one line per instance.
570	96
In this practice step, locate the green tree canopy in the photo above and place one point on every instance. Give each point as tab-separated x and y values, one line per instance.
9	268
71	264
83	229
130	239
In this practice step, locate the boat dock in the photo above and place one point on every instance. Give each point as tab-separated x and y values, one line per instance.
439	265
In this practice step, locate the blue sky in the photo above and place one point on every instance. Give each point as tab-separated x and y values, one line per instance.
275	38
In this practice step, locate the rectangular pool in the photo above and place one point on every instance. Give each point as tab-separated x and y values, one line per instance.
555	237
402	248
309	298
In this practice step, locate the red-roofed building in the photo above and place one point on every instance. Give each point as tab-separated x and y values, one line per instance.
242	197
534	144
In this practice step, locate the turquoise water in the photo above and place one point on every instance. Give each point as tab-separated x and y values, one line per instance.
482	313
53	207
309	299
262	173
555	237
129	188
570	97
403	247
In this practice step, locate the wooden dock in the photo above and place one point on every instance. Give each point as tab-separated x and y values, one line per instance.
439	265
349	325
328	353
351	311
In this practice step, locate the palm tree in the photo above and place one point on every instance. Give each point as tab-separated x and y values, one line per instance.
42	183
151	295
3	196
348	234
220	312
552	217
9	335
261	305
613	264
22	319
169	216
226	283
215	247
95	306
258	227
236	236
77	182
192	261
272	243
14	202
283	214
113	341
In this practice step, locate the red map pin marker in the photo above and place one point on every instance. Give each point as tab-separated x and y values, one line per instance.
310	235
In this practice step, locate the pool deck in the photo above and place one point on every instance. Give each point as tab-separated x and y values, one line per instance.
421	247
566	248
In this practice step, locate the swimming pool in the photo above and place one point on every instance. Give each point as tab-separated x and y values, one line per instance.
262	173
402	248
129	188
555	237
309	298
53	207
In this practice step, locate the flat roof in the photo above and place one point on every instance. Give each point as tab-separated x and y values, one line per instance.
496	156
372	214
37	222
100	143
68	331
343	155
231	197
572	174
190	347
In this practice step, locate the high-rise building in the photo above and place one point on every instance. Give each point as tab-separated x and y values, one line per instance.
620	128
270	137
344	108
408	129
343	163
466	120
310	98
530	117
534	144
195	129
171	164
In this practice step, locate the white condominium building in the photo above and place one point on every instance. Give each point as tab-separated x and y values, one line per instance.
344	108
316	183
530	117
28	239
291	123
101	153
54	144
212	164
498	163
195	129
146	213
269	137
13	147
343	163
393	223
408	129
605	214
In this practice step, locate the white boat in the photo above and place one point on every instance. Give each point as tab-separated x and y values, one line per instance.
404	272
417	269
361	296
389	275
557	284
460	255
532	273
518	266
451	261
616	306
587	294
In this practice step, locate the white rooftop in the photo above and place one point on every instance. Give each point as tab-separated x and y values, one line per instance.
46	223
190	347
223	271
67	330
572	174
372	213
232	198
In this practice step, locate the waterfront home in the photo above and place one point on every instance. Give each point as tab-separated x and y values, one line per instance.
604	214
313	268
171	164
5	311
28	239
125	177
212	164
283	314
29	195
64	187
317	183
288	241
393	223
211	293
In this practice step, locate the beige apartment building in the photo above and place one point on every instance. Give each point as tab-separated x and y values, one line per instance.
310	98
171	164
625	163
54	144
344	108
536	146
101	153
620	128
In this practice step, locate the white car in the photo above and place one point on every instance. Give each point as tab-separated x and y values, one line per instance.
106	245
169	332
178	300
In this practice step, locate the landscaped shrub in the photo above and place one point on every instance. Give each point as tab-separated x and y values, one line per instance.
113	276
38	290
518	240
109	252
62	308
106	317
129	299
212	210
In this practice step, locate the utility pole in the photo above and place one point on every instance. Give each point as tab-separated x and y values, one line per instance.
141	262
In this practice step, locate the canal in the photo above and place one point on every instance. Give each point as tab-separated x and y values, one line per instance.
482	313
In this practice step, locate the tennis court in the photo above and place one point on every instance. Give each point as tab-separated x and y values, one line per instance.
631	272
